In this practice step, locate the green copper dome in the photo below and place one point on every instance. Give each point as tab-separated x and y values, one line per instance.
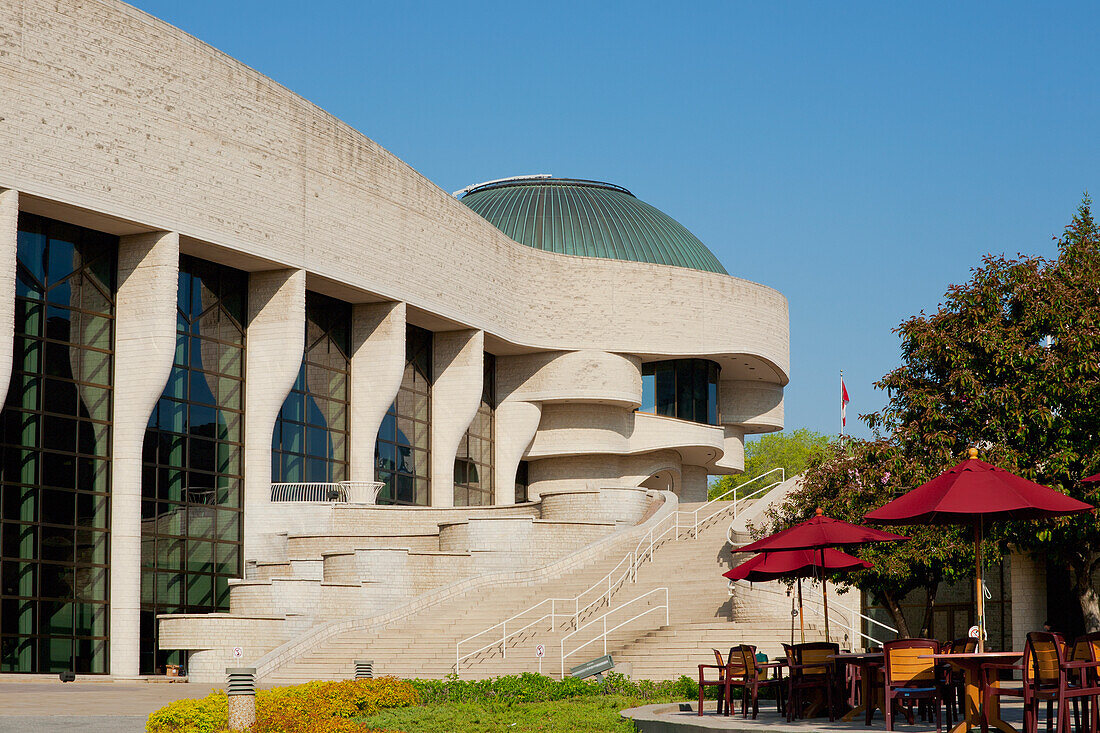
587	218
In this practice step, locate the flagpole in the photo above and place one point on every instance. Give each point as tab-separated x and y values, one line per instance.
842	402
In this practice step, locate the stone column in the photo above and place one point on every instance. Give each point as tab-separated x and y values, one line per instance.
145	343
516	424
9	243
1027	587
458	367
275	344
377	365
693	483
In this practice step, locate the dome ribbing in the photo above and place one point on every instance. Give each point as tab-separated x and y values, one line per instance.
588	218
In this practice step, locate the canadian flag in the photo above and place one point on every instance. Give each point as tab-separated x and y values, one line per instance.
843	404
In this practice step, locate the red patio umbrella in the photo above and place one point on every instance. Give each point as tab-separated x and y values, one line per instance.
794	564
1094	477
971	493
820	533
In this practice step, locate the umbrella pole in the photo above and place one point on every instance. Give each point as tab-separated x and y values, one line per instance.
801	620
980	592
824	595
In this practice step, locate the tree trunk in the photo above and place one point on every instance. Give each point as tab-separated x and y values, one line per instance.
1087	596
929	607
893	607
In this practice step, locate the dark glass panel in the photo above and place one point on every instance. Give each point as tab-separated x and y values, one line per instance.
665	377
193	455
50	543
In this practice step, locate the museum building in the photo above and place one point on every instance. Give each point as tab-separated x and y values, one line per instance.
229	316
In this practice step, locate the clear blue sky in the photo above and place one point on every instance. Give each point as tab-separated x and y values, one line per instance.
858	157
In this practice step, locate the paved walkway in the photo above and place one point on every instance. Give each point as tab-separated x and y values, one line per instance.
86	707
667	718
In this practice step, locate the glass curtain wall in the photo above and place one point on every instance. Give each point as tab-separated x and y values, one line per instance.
193	467
310	443
682	388
474	460
55	452
404	439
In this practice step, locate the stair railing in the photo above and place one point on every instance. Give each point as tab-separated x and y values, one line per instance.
602	620
810	604
667	529
738	497
616	578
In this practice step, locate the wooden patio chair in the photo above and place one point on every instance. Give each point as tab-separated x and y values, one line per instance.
1085	648
757	679
909	678
728	673
810	669
1048	676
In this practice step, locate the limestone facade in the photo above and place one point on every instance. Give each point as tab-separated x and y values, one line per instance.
117	122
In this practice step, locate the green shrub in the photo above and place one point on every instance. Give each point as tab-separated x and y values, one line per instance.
314	707
202	715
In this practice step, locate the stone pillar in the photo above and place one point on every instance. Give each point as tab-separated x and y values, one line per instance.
9	243
377	365
458	368
145	344
1027	587
516	423
693	483
275	345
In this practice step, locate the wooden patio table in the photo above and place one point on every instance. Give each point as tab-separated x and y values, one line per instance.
867	662
971	665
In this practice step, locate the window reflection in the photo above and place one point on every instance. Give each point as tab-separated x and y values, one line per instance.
55	452
402	448
473	482
683	388
310	443
192	458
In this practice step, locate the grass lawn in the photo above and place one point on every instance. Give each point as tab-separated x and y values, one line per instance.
590	714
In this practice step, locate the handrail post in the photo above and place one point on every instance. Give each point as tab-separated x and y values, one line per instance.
605	634
504	642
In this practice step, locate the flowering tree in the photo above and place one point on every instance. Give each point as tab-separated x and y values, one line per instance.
1010	363
850	479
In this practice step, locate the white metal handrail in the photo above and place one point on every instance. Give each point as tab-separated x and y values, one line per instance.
610	580
503	641
736	499
358	492
603	619
808	603
633	560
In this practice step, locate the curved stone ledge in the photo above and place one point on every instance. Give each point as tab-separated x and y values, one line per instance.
621	505
224	155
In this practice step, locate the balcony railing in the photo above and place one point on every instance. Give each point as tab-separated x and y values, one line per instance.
340	492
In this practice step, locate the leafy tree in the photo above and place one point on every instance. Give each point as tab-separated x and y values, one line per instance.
790	450
1010	362
849	479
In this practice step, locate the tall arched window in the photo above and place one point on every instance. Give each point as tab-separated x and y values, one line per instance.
402	450
474	460
310	442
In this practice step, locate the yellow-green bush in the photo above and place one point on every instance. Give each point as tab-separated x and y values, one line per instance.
315	707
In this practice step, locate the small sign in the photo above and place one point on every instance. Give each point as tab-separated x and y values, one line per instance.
540	651
973	632
238	652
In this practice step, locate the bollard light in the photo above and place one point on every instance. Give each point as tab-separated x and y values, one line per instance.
364	669
242	697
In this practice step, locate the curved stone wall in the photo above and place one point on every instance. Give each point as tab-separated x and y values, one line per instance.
176	136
